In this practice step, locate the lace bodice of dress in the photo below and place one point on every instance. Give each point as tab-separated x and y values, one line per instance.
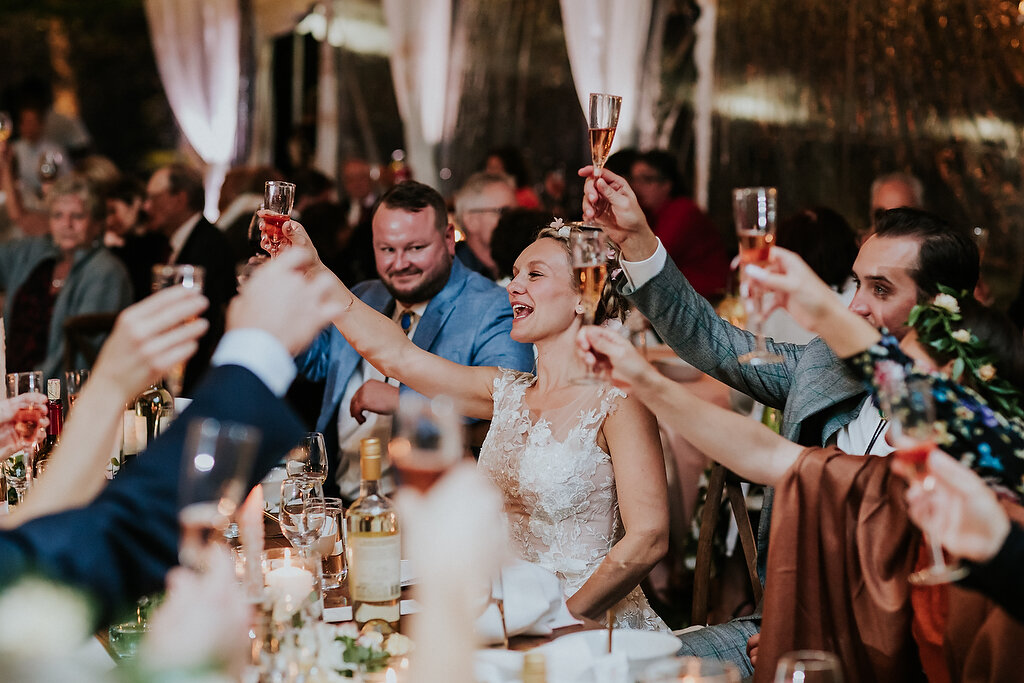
559	486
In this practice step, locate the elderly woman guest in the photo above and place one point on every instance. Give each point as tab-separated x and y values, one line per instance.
51	278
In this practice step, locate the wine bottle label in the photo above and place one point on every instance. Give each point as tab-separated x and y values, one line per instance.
375	567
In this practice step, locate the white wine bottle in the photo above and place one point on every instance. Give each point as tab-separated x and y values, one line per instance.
374	548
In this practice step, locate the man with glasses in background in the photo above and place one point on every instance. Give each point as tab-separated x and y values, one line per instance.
478	206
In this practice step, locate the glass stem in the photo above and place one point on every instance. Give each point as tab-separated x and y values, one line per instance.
938	557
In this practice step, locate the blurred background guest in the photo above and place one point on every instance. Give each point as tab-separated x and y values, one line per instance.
51	278
479	204
689	236
174	202
509	160
516	230
896	190
126	235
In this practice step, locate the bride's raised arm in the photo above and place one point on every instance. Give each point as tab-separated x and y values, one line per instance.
631	435
744	446
380	341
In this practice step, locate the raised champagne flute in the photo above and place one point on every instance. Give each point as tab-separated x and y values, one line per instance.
19	467
426	440
909	404
302	514
190	277
755	214
589	250
278	200
603	119
214	472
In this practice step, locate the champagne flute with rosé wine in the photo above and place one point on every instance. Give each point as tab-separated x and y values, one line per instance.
278	200
754	212
602	122
909	404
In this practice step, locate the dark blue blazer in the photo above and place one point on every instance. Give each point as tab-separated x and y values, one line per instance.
120	546
467	322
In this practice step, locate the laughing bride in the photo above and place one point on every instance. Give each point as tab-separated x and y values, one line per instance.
580	466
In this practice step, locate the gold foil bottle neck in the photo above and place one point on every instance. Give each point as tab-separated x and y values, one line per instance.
370	458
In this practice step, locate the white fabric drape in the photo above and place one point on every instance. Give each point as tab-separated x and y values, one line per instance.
606	40
196	43
421	42
703	101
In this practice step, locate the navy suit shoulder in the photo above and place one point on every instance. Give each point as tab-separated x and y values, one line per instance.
122	545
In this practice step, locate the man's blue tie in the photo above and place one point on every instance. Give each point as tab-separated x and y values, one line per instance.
405	320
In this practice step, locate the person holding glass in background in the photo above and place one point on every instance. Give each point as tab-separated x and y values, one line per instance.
51	278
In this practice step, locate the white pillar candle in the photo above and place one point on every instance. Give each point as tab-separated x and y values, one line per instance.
290	583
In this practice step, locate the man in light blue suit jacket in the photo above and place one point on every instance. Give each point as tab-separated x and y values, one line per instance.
446	308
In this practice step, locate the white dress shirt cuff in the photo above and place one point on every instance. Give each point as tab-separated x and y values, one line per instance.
259	352
638	273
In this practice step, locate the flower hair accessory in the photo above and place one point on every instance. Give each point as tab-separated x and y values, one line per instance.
938	325
561	228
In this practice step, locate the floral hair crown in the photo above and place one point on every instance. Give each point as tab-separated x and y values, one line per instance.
559	226
936	323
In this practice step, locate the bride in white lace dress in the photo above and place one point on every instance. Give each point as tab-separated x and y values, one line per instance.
580	466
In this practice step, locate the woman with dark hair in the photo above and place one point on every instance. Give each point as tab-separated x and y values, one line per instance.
509	160
51	278
689	236
826	242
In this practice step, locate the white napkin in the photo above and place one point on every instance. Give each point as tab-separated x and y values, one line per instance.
533	600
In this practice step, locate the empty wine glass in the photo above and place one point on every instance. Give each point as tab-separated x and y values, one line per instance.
74	380
754	212
302	512
603	119
909	404
309	458
190	277
589	251
214	471
278	200
809	666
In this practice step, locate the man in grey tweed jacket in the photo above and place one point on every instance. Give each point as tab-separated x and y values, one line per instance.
822	402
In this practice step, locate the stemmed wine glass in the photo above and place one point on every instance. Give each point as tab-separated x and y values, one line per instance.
309	458
18	468
303	512
590	266
809	666
909	404
214	470
603	119
426	440
754	213
278	200
190	277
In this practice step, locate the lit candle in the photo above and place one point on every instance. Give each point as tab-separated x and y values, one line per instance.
290	583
